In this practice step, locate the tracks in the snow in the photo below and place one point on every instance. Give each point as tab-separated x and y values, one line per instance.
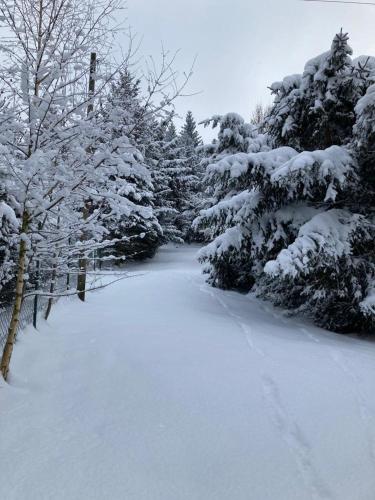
285	423
295	439
288	428
246	329
342	364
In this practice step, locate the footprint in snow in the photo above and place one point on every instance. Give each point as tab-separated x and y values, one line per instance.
295	439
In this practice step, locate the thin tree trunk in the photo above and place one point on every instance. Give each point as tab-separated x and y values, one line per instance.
82	265
82	262
12	331
68	281
100	259
51	290
36	298
68	264
53	278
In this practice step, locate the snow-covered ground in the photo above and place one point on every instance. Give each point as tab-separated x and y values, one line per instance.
161	388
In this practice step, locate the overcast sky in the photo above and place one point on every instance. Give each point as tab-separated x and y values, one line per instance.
244	45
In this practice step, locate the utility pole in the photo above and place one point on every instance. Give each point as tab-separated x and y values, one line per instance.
82	262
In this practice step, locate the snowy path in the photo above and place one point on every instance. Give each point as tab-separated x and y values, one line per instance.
161	388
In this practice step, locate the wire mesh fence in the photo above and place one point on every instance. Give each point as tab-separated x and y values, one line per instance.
31	308
26	316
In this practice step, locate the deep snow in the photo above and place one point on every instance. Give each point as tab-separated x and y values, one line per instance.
162	388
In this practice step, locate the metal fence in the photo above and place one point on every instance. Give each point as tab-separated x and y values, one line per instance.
26	316
27	309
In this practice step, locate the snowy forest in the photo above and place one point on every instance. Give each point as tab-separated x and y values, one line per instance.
99	173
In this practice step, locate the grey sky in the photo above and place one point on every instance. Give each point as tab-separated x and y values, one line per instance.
244	45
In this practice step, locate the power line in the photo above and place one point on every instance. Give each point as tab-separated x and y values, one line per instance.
342	1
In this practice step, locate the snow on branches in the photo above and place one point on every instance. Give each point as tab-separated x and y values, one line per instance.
292	214
73	176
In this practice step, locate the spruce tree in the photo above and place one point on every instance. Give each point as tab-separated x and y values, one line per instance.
296	224
177	178
190	176
189	135
165	175
138	235
317	108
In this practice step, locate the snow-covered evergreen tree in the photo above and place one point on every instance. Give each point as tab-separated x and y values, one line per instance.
165	179
318	107
287	221
190	176
177	178
189	135
138	233
234	137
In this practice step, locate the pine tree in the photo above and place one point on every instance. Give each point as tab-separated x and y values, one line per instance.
317	108
137	235
169	131
165	179
296	224
177	178
190	176
189	135
235	137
